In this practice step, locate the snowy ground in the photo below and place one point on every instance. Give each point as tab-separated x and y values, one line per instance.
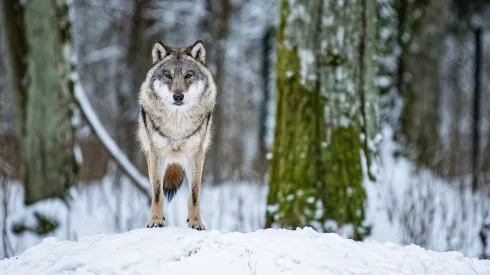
115	207
272	251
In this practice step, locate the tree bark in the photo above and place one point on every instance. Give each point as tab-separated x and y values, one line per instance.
49	136
15	45
326	114
350	111
420	39
296	161
218	25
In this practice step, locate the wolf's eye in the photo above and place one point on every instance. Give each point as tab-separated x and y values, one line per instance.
189	74
168	76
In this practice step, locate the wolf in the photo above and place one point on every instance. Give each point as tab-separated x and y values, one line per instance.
176	101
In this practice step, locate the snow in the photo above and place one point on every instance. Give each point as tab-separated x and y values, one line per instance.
340	36
289	74
112	206
307	68
268	156
327	21
99	55
417	206
298	13
175	250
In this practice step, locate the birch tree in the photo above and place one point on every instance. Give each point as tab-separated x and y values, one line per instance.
325	115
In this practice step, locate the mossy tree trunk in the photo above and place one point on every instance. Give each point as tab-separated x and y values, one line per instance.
296	161
348	85
325	115
48	144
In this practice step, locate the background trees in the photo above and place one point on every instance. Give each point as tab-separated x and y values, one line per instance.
348	116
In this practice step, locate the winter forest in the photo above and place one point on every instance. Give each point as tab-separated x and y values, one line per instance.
365	118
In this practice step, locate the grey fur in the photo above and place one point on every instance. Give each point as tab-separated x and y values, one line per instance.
169	133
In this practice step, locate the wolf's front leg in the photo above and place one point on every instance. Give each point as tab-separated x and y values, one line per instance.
157	219
194	217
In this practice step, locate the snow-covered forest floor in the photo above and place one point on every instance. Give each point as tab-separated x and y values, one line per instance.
112	207
402	208
273	251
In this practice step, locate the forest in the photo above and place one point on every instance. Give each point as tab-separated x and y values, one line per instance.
363	118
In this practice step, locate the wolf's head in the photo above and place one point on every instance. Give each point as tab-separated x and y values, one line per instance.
179	76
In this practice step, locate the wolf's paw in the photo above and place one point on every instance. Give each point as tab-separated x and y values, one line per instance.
156	223
195	223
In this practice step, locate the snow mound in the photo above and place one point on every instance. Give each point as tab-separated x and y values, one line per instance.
175	250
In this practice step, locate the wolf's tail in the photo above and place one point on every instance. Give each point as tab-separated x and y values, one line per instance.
174	175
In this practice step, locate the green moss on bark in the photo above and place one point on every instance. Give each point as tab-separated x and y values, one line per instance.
344	194
325	124
294	172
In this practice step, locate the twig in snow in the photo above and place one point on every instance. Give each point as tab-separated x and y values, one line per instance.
471	261
253	268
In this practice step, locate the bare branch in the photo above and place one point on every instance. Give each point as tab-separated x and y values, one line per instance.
139	180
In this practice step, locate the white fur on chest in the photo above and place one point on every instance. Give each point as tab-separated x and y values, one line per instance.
167	145
159	141
173	152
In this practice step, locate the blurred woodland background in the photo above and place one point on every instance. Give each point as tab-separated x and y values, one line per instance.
365	118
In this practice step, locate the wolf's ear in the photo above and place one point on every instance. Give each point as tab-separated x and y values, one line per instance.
160	51
197	51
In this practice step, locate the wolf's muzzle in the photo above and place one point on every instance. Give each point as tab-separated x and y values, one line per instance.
178	98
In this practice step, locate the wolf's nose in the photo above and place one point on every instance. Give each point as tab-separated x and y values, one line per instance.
178	97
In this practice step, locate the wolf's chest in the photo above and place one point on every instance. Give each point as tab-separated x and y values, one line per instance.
163	142
176	133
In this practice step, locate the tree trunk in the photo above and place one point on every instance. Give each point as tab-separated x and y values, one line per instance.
49	139
218	25
325	114
296	161
137	64
347	81
420	38
15	45
260	163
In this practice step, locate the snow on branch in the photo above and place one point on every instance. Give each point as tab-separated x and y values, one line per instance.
102	54
139	180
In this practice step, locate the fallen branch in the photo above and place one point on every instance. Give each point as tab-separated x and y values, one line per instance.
139	181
